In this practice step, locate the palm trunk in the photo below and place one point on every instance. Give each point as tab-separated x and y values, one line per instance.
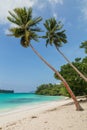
78	107
81	75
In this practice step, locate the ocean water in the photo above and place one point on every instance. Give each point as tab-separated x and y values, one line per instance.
10	101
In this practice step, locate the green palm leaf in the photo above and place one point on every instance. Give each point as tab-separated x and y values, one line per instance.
26	25
54	33
84	45
33	22
17	32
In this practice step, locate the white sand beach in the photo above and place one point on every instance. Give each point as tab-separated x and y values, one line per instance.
57	115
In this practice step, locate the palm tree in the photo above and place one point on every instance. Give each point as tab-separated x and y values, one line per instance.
26	30
54	36
84	45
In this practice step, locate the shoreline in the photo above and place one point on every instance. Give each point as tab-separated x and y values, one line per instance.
24	107
27	108
13	101
34	106
24	114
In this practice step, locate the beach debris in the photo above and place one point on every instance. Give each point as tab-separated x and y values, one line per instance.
45	122
34	117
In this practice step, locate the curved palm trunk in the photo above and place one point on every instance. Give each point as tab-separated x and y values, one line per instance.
78	107
82	76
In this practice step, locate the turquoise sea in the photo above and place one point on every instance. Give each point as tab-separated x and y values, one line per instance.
10	101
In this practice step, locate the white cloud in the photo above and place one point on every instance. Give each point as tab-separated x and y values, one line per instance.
6	5
56	1
83	9
55	15
6	31
53	4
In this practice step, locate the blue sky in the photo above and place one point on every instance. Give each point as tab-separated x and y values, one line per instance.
20	68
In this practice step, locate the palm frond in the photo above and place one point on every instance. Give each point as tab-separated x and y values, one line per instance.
54	33
47	42
36	29
34	36
84	45
47	25
33	22
27	26
29	14
22	14
59	25
17	32
37	20
52	23
45	37
14	19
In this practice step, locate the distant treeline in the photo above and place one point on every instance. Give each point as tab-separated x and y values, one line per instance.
6	91
50	89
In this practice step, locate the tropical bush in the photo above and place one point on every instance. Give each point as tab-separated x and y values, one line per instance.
77	84
49	89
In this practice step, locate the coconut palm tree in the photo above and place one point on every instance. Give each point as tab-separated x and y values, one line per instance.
26	30
84	45
56	36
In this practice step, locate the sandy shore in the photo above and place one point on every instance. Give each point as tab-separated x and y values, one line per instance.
48	116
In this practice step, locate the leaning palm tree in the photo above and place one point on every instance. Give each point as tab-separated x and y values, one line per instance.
55	36
84	45
26	30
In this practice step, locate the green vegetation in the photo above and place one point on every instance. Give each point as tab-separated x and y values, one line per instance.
6	91
26	25
84	45
77	84
52	90
49	89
